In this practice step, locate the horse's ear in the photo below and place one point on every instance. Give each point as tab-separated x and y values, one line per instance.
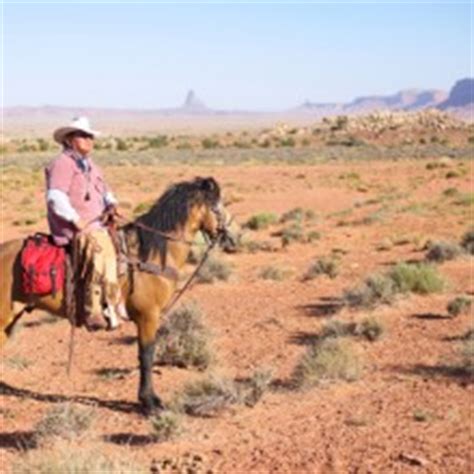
209	185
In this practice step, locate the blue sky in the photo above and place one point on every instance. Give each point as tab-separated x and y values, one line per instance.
247	56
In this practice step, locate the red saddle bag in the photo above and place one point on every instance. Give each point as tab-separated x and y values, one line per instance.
43	266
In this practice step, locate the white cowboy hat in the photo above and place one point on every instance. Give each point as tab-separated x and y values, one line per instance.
80	124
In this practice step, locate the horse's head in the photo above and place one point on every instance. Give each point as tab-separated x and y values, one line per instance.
215	221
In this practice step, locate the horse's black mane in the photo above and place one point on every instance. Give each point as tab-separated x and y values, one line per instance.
171	211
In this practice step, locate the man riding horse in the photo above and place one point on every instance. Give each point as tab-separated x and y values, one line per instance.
77	197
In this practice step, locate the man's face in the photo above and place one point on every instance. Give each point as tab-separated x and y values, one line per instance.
81	142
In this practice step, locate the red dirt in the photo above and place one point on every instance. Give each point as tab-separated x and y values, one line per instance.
367	426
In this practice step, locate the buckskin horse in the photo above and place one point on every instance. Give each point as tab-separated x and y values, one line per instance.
158	244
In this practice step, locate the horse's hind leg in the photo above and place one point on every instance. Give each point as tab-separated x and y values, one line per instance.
147	327
8	323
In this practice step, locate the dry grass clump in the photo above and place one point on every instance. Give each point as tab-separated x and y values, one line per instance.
68	458
214	269
65	421
166	425
183	339
292	233
273	272
418	278
370	328
443	251
330	359
252	389
298	214
206	398
323	266
337	328
467	242
261	221
254	246
467	354
459	305
376	289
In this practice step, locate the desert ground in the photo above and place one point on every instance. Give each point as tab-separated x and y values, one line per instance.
407	408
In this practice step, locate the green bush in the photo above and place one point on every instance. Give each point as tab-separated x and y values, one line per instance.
183	339
418	278
158	142
261	221
209	143
459	305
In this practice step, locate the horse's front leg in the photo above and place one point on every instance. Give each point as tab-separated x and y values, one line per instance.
147	327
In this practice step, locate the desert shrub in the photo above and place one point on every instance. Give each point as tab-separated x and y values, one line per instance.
121	145
183	339
158	142
443	251
208	397
67	458
330	359
403	278
459	305
374	290
43	145
292	233
466	199
261	220
214	269
253	246
166	425
336	328
66	421
467	242
467	354
450	192
370	328
209	143
272	272
418	278
453	174
296	214
323	266
287	141
252	390
312	236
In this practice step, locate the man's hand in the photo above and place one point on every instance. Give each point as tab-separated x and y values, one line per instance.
80	225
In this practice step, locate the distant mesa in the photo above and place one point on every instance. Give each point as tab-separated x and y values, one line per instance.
461	95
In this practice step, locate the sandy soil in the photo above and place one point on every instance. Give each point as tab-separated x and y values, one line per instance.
367	426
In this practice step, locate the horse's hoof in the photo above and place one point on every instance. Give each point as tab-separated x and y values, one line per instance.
152	406
95	322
